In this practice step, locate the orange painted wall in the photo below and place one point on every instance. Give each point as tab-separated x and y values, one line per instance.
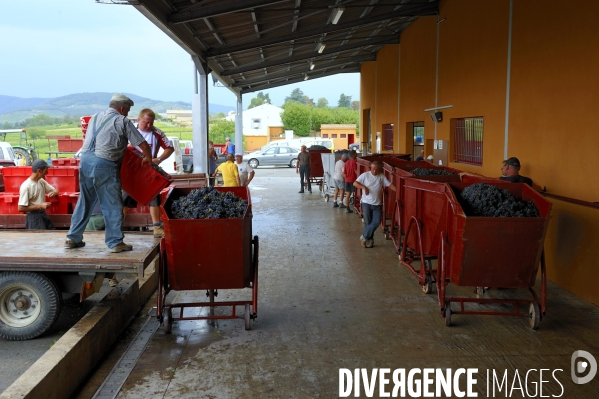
417	78
387	92
553	105
367	95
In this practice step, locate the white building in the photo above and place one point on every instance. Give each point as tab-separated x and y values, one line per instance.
260	125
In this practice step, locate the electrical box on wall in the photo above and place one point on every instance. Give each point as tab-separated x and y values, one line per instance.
437	116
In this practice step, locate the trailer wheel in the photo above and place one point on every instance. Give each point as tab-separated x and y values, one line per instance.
447	314
534	316
167	320
480	292
30	304
247	317
327	197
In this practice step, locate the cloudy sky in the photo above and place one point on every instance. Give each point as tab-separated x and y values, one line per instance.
51	48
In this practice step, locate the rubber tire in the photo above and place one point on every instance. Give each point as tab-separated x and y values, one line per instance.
534	316
167	320
293	163
247	317
50	302
480	292
253	163
427	287
21	153
447	314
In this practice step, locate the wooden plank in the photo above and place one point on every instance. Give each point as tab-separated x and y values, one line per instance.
44	251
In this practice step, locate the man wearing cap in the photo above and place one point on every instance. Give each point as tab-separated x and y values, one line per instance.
99	172
230	172
229	147
339	181
32	198
246	173
302	166
510	171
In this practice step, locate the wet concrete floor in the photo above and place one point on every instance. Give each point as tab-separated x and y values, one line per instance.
326	303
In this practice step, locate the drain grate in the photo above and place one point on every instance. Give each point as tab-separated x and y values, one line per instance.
119	374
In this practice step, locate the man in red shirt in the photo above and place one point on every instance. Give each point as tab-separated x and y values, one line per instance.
350	170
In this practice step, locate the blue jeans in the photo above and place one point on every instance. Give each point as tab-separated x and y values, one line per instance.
372	218
304	172
99	179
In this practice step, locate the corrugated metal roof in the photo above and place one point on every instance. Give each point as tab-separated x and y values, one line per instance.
252	45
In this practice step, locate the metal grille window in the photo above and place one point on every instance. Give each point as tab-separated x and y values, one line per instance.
468	141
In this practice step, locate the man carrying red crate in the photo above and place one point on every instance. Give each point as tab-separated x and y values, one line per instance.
32	197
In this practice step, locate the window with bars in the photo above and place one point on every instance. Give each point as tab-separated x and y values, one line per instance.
468	141
388	131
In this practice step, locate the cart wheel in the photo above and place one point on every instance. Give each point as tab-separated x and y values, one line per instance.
534	316
447	314
167	320
387	235
327	198
427	287
480	292
246	317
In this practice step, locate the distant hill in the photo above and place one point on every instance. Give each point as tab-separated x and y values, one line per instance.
15	109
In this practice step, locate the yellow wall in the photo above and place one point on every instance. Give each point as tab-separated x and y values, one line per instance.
387	92
367	97
554	98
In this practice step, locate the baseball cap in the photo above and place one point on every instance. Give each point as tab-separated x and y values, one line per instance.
38	164
122	98
429	157
513	161
238	155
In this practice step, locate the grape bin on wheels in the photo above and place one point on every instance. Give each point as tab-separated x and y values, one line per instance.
497	252
207	254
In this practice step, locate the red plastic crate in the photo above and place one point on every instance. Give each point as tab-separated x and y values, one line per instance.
9	203
65	162
63	178
84	122
61	204
14	176
69	145
142	182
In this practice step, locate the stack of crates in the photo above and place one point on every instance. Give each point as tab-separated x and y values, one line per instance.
63	175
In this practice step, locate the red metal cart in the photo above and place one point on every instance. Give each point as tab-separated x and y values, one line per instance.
316	168
207	254
493	252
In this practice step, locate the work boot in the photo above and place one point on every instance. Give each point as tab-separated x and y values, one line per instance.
363	241
158	231
300	192
369	243
335	205
121	247
342	206
349	210
72	244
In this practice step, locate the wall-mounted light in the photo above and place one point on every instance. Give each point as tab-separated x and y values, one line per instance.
311	66
337	14
306	77
321	48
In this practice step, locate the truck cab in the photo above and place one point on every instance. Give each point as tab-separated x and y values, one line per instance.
174	163
7	155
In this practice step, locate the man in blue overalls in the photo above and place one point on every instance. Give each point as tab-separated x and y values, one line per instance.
100	172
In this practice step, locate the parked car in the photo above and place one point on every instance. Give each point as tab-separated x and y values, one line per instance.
272	156
355	147
7	155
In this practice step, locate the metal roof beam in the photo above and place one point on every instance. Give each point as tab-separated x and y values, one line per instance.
297	80
218	9
429	9
390	39
321	66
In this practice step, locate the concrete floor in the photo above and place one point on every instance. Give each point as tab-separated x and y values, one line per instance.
326	303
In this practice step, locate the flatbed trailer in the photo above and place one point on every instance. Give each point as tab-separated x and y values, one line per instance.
36	269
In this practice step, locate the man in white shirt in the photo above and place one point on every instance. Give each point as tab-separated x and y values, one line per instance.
32	198
339	181
372	185
246	173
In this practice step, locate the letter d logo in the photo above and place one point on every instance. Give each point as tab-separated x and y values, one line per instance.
579	366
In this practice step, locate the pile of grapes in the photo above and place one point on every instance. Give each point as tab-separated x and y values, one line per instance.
317	147
482	199
432	172
208	203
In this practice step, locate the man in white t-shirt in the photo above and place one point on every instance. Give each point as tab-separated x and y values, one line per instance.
339	182
32	197
246	173
372	185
